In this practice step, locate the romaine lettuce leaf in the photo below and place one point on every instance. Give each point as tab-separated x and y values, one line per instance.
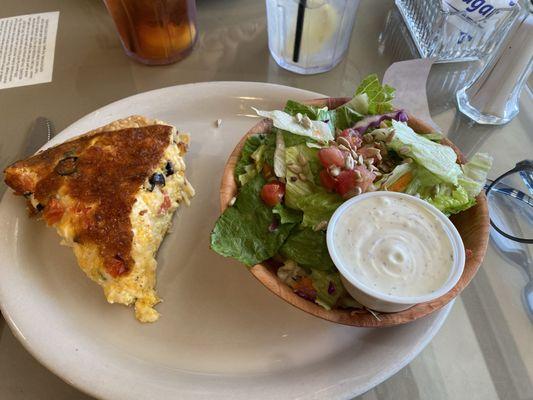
359	103
250	172
246	231
296	187
317	130
437	158
475	173
258	156
291	139
280	167
320	114
251	145
308	248
257	151
379	97
307	195
287	215
370	98
270	148
317	207
293	107
346	117
451	200
447	197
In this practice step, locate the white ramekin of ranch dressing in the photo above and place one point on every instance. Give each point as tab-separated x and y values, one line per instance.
394	250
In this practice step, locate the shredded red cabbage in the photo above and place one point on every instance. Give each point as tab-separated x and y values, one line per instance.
305	295
373	121
331	288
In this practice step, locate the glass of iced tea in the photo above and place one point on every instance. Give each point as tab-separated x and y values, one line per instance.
155	32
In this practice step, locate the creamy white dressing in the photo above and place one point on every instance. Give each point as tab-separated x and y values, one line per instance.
394	246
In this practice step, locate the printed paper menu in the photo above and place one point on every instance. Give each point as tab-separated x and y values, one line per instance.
27	45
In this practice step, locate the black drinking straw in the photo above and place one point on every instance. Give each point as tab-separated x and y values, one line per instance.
299	28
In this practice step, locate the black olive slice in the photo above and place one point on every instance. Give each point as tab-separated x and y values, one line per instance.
67	166
156	179
169	169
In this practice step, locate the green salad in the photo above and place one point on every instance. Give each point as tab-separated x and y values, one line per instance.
293	178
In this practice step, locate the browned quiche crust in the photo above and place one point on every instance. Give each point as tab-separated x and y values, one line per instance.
101	172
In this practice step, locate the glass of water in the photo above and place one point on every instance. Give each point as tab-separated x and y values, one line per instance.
309	36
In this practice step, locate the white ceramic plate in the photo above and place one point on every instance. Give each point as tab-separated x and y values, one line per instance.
222	335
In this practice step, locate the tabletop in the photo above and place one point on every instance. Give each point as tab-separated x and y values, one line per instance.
483	351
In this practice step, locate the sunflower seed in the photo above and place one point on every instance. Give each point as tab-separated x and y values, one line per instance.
404	150
320	226
358	175
355	156
298	117
369	162
294	168
379	157
372	151
302	160
302	177
218	122
306	122
334	170
232	201
380	134
358	190
407	160
361	159
349	162
343	141
382	124
343	148
390	137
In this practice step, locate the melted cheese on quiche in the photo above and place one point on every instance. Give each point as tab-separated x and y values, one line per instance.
150	217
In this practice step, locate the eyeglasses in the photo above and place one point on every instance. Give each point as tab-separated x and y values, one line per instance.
510	200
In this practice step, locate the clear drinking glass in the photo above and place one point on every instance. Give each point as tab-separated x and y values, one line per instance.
155	31
309	36
464	34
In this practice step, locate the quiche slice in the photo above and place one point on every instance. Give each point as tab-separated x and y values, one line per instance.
111	194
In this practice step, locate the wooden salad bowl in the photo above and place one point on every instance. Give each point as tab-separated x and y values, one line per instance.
472	224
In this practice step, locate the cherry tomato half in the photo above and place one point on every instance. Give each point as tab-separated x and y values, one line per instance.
327	180
331	156
346	181
272	193
367	177
353	136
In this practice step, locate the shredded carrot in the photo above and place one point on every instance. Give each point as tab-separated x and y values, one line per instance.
401	183
304	287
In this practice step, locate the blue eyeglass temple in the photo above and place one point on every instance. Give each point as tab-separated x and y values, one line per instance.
527	177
